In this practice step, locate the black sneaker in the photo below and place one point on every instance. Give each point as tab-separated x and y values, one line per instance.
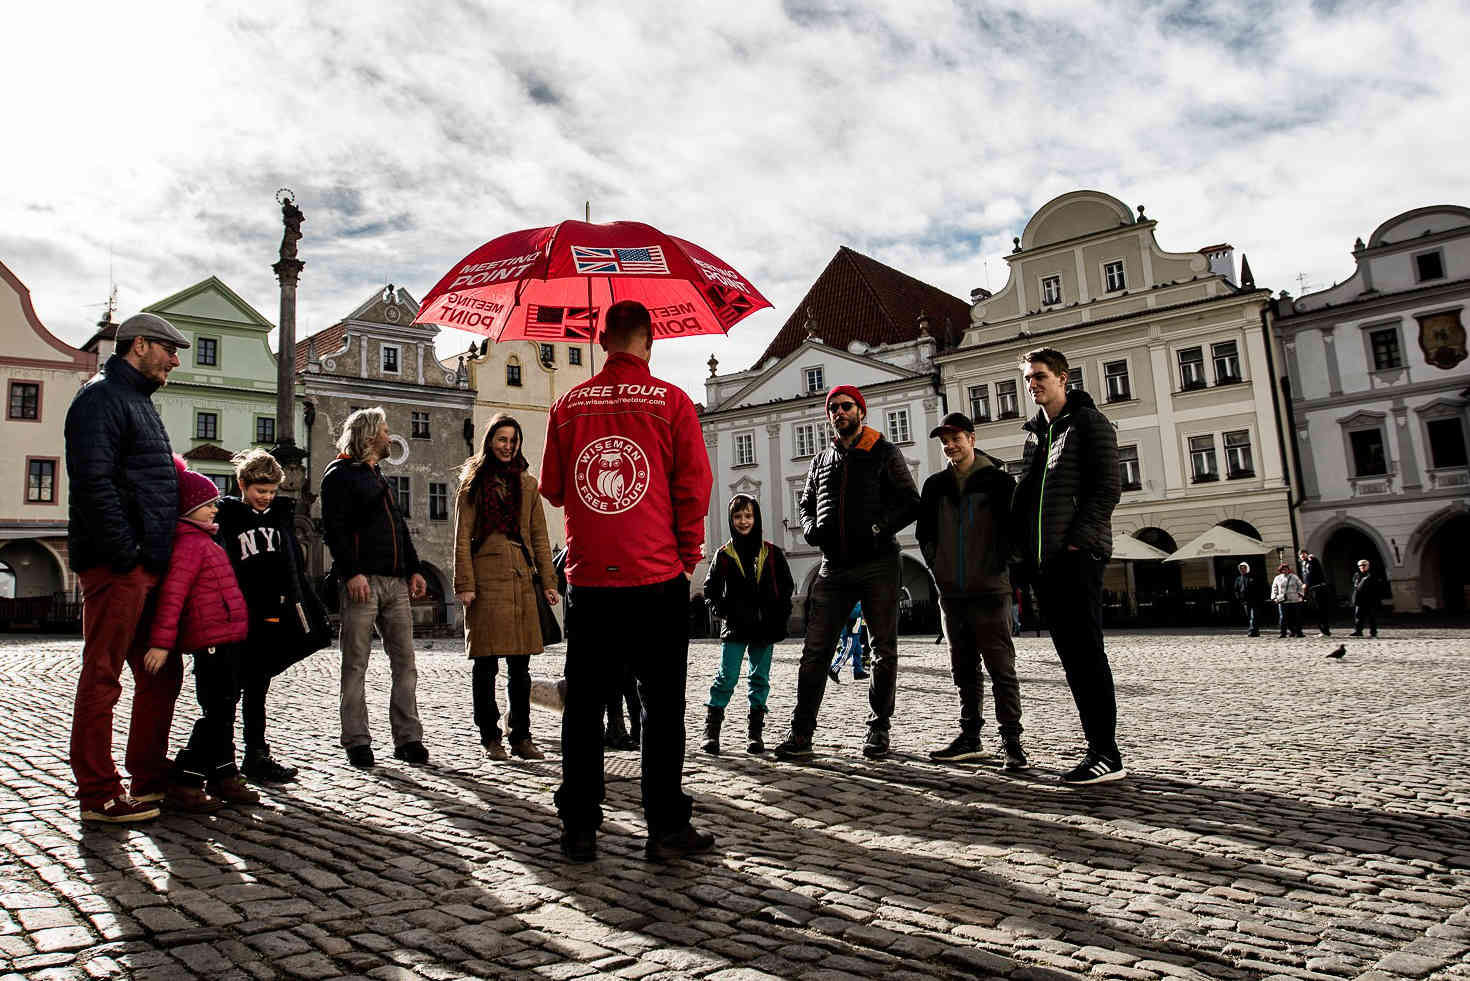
412	753
579	846
1094	768
963	748
678	844
835	675
261	768
361	756
794	747
1015	755
875	746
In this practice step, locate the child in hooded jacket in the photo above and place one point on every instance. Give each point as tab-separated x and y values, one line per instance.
749	588
200	607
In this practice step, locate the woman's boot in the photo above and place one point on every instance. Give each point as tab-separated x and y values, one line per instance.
712	719
754	743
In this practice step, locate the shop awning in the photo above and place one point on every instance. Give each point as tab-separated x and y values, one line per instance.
1219	540
1132	549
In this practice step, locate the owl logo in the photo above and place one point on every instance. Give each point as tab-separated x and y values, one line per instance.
611	474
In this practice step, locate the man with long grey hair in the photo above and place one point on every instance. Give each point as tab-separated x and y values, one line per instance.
377	573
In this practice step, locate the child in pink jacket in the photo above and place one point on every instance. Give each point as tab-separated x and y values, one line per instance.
200	607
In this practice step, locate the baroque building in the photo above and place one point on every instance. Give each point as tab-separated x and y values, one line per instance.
1173	350
1377	385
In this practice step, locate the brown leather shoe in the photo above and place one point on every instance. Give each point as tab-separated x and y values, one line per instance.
190	800
526	750
232	790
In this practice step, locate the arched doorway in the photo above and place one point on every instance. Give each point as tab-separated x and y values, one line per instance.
1444	572
918	606
7	581
1340	555
34	568
1227	567
1158	583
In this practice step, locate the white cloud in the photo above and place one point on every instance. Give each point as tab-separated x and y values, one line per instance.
924	134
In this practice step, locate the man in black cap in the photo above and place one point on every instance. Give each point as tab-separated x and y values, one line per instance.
124	502
964	533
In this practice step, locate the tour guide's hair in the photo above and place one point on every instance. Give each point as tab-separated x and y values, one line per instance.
624	319
257	466
359	430
1055	361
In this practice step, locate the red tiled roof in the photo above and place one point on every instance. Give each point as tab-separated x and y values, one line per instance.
858	298
326	341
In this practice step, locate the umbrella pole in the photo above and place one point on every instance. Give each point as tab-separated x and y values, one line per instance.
591	323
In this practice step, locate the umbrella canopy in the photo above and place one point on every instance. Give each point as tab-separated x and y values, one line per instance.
552	284
1219	540
1135	549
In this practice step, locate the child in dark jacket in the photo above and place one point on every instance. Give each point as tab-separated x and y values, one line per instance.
749	588
258	532
199	609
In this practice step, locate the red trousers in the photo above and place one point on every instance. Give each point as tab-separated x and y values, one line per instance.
117	609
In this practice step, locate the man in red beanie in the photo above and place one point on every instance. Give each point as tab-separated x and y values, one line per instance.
858	495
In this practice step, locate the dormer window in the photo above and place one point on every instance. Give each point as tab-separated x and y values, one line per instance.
1051	289
1429	265
816	380
1113	275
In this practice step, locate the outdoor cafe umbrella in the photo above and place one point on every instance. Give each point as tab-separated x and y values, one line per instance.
1127	548
553	283
1218	540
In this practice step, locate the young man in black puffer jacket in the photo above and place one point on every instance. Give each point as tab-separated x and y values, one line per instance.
859	494
964	532
1065	508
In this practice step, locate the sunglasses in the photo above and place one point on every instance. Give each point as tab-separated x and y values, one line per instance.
841	406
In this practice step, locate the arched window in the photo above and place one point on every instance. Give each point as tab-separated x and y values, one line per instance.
513	372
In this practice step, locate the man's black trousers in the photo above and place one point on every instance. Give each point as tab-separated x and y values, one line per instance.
1069	588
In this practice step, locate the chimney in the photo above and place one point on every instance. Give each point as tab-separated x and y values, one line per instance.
1221	259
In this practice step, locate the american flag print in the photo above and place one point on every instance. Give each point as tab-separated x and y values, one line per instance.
615	262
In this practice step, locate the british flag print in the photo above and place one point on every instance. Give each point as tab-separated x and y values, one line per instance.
614	262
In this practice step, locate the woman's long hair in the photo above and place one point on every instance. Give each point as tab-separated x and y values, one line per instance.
359	431
470	472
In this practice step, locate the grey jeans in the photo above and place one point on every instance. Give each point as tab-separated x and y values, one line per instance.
979	630
387	609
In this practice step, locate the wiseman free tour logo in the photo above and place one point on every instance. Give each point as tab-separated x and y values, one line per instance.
611	474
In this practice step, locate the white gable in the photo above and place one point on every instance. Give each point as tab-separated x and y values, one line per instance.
788	378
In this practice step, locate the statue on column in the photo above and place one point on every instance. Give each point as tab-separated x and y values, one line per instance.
292	218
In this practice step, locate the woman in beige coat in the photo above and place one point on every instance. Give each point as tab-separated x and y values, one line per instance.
498	527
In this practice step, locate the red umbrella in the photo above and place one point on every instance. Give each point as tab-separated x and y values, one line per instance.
551	284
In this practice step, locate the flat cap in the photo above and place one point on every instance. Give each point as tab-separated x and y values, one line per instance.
152	326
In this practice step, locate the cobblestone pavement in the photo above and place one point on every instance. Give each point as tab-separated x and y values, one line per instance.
1286	815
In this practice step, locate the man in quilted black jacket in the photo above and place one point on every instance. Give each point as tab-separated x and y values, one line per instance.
1065	501
124	502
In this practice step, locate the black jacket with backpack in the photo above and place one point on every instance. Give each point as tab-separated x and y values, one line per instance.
857	498
752	596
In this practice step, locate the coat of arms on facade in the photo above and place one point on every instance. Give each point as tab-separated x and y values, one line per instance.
1442	337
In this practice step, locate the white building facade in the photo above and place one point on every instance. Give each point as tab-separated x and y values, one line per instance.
1377	381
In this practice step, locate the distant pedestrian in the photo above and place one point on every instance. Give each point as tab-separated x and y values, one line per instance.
377	568
1319	590
1250	593
853	647
749	588
1368	590
1287	592
964	532
124	505
1064	503
858	495
201	612
625	457
502	558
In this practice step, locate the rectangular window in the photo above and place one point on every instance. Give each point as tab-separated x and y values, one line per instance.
1238	462
265	429
206	425
418	425
1074	378
25	400
1113	273
402	490
1115	374
513	375
41	482
796	506
1429	265
816	380
744	449
1202	459
1051	289
1128	470
1369	458
574	355
206	352
806	438
1446	443
438	501
1386	353
1192	369
1005	400
1226	355
225	482
979	403
898	426
548	355
390	359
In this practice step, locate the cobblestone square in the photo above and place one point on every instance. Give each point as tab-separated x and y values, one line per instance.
1286	815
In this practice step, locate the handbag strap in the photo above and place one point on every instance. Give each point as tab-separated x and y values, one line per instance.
535	573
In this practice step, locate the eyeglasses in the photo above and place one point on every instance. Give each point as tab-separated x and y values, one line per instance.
168	346
841	406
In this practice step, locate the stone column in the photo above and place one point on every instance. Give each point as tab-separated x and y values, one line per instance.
288	271
775	520
714	534
1408	461
1329	354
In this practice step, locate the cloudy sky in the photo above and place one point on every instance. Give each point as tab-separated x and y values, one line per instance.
924	133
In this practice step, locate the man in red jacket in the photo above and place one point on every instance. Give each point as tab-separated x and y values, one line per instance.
625	457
